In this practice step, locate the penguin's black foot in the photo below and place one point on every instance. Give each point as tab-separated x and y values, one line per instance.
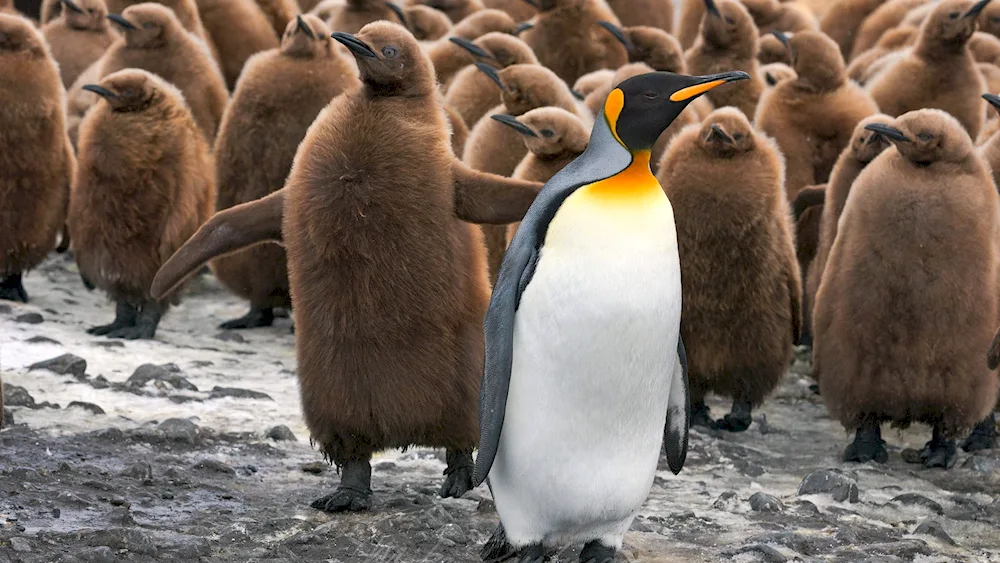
596	552
532	554
143	326
458	480
497	548
700	416
983	436
344	499
11	289
868	446
939	452
256	318
738	420
138	332
126	316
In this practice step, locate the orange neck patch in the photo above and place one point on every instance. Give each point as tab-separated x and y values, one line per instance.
634	184
613	109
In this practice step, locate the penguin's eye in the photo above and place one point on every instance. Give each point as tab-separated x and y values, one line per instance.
954	15
390	52
90	11
730	20
925	136
547	133
650	95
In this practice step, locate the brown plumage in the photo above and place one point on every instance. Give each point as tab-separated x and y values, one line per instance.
592	81
689	21
566	37
728	41
472	93
807	212
388	279
884	18
355	14
520	10
991	78
456	10
989	146
448	58
843	20
36	159
738	270
889	48
7	8
144	185
459	131
940	57
238	29
79	37
424	22
776	73
164	48
498	149
989	20
654	47
865	145
985	48
256	145
308	5
771	50
279	13
908	302
654	13
813	116
772	15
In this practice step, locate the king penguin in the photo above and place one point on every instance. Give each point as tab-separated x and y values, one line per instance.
585	373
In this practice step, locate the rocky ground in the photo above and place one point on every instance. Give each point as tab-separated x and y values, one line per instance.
192	448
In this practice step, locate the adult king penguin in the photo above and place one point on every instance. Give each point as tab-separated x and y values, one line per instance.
585	373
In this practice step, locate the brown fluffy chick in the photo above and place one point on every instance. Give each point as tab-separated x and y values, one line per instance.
989	20
880	21
7	8
728	41
279	13
813	117
658	14
79	37
739	274
257	143
36	159
473	93
843	21
772	15
908	304
989	146
807	211
776	73
770	49
864	147
355	14
238	28
455	10
520	10
939	72
649	45
424	22
144	185
154	40
449	58
891	47
567	38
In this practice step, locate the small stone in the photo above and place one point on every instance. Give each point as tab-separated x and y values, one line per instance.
806	507
56	513
8	417
907	549
168	373
486	506
281	434
231	336
121	516
67	364
247	470
100	382
385	466
728	501
765	552
216	466
763	426
20	545
5	309
846	535
315	467
179	430
30	319
91	407
839	485
763	502
981	464
748	468
113	435
167	495
934	529
236	393
131	539
423	500
100	554
109	344
139	470
640	526
913	499
15	396
42	340
453	532
911	455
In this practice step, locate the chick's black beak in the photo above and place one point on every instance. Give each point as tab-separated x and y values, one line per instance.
993	99
577	95
514	124
706	83
471	47
976	8
522	27
396	9
492	73
783	38
718	133
711	8
618	33
890	133
102	92
72	6
533	3
357	46
120	20
304	27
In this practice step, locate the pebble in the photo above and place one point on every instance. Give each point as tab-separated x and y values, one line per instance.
42	340
763	502
767	553
486	506
63	365
315	467
109	344
913	499
20	545
15	396
130	539
281	434
91	407
728	501
5	309
454	533
179	430
981	464
230	336
110	435
30	318
216	466
139	470
934	529
838	484
168	373
236	393
8	417
99	554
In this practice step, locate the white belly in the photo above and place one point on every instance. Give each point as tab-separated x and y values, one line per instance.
595	349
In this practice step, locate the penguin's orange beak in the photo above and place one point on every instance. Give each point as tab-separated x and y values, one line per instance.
706	84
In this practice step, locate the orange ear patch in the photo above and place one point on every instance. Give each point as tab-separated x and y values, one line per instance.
692	91
612	109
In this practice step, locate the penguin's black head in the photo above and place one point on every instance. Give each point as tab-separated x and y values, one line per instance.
643	106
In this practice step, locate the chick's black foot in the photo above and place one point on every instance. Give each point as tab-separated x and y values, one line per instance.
458	474
939	452
738	420
256	318
983	436
700	416
126	316
596	552
11	289
868	446
353	494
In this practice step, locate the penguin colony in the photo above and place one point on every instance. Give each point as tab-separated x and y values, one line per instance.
490	218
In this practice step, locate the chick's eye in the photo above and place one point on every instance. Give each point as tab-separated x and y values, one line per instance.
730	20
953	15
148	25
90	11
737	136
547	133
390	52
925	136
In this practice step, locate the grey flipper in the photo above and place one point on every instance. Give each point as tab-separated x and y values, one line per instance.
604	158
675	430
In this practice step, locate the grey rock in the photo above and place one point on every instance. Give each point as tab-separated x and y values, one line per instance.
230	336
806	507
981	464
215	466
113	435
8	417
934	529
486	506
386	466
5	309
109	344
139	470
100	382
42	340
913	499
179	430
20	545
30	319
842	487
728	501
121	516
236	393
638	525
91	407
763	502
168	374
315	467
67	364
907	549
99	554
15	396
766	553
454	533
748	468
131	539
846	535
281	434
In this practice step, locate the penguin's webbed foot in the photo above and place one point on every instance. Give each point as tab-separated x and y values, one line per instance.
700	416
11	289
739	419
138	332
983	436
596	552
534	553
868	446
939	452
497	548
126	316
144	325
256	318
458	480
344	499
